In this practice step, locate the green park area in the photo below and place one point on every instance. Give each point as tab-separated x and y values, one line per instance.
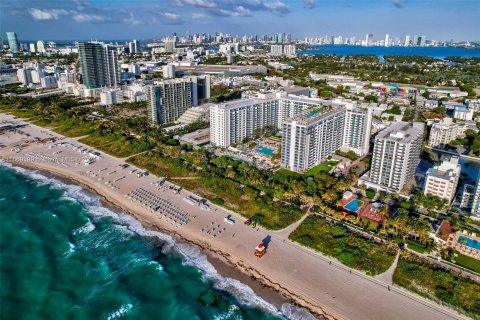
438	284
349	248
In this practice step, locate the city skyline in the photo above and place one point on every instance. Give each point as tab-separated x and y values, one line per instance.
58	20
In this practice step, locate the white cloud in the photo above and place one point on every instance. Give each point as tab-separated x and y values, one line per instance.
89	18
46	14
277	7
309	4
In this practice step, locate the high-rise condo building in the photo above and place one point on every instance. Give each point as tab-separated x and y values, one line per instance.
233	121
31	47
442	180
358	126
396	155
407	41
476	200
40	46
442	132
308	139
169	99
13	43
276	49
99	65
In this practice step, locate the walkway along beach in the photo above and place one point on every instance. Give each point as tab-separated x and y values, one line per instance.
311	280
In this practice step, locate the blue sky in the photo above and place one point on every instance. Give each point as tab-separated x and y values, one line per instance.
145	19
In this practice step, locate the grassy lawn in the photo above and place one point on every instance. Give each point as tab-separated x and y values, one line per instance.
220	190
117	145
324	167
415	246
350	249
438	284
467	262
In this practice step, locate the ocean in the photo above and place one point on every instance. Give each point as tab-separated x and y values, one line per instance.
435	52
64	255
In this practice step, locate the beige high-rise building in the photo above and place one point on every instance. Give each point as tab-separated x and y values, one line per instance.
442	133
442	180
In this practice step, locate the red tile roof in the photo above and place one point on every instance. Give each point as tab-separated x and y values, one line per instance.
444	230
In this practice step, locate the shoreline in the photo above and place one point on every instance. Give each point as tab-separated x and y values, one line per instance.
223	266
312	281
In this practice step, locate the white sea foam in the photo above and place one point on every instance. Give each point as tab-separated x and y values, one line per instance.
229	314
120	312
191	254
70	250
86	228
296	313
157	265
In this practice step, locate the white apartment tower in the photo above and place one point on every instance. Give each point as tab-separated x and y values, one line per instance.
311	137
476	200
233	121
442	180
442	132
358	126
167	100
396	155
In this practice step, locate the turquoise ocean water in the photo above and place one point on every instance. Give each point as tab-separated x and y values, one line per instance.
65	256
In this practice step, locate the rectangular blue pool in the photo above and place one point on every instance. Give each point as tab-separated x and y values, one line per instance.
266	151
353	205
469	242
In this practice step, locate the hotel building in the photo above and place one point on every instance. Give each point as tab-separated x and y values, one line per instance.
308	139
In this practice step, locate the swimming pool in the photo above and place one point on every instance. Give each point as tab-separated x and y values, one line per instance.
311	114
353	205
266	151
469	242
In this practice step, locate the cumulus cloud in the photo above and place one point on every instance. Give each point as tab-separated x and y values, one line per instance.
225	8
309	4
277	7
46	14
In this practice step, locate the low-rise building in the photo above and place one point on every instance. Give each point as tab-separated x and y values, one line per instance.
442	180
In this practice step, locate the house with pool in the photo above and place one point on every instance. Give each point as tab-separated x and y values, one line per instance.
362	208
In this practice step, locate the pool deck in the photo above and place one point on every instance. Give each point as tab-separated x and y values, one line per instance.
463	249
365	209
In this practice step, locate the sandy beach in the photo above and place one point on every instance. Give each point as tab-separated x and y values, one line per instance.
307	278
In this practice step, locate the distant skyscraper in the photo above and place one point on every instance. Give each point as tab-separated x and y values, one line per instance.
40	46
396	155
407	41
369	39
32	47
422	41
387	40
13	42
99	65
415	40
358	125
1	44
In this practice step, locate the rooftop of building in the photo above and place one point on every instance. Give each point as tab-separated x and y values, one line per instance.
401	132
234	104
220	69
446	170
316	114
